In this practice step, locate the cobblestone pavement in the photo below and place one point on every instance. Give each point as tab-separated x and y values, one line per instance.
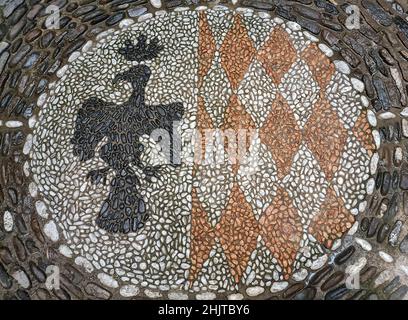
312	206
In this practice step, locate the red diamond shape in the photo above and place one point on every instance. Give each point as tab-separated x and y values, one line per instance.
362	132
202	237
237	52
206	47
321	67
282	135
277	54
237	231
325	136
281	229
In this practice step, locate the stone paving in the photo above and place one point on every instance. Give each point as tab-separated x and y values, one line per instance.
287	173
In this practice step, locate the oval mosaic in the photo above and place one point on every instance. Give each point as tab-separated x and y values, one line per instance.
202	151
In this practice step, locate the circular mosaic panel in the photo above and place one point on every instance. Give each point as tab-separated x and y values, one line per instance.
272	137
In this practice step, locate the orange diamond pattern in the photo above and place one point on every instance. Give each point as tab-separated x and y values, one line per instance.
237	231
325	136
237	52
332	220
206	49
320	66
282	135
362	132
281	229
280	224
202	237
277	55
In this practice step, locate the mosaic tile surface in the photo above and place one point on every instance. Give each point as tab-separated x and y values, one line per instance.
165	220
276	176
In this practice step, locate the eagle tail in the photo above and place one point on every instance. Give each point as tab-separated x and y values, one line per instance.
124	210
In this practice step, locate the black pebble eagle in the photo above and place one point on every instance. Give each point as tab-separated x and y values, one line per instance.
124	210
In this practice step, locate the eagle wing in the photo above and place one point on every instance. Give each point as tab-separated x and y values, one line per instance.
91	125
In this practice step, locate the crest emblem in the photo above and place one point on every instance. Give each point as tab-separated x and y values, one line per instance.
124	210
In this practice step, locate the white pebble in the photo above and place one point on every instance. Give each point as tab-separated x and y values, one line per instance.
128	291
14	124
145	17
22	279
374	163
61	72
74	56
398	154
405	127
41	99
235	296
201	8
362	206
357	266
385	256
264	15
254	291
326	50
353	229
278	20
32	121
65	251
87	46
107	280
83	262
50	230
279	286
294	26
32	188
126	23
319	262
152	294
364	101
387	115
370	186
377	138
357	84
342	66
364	244
28	144
206	296
177	296
8	221
310	36
300	275
156	3
41	209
